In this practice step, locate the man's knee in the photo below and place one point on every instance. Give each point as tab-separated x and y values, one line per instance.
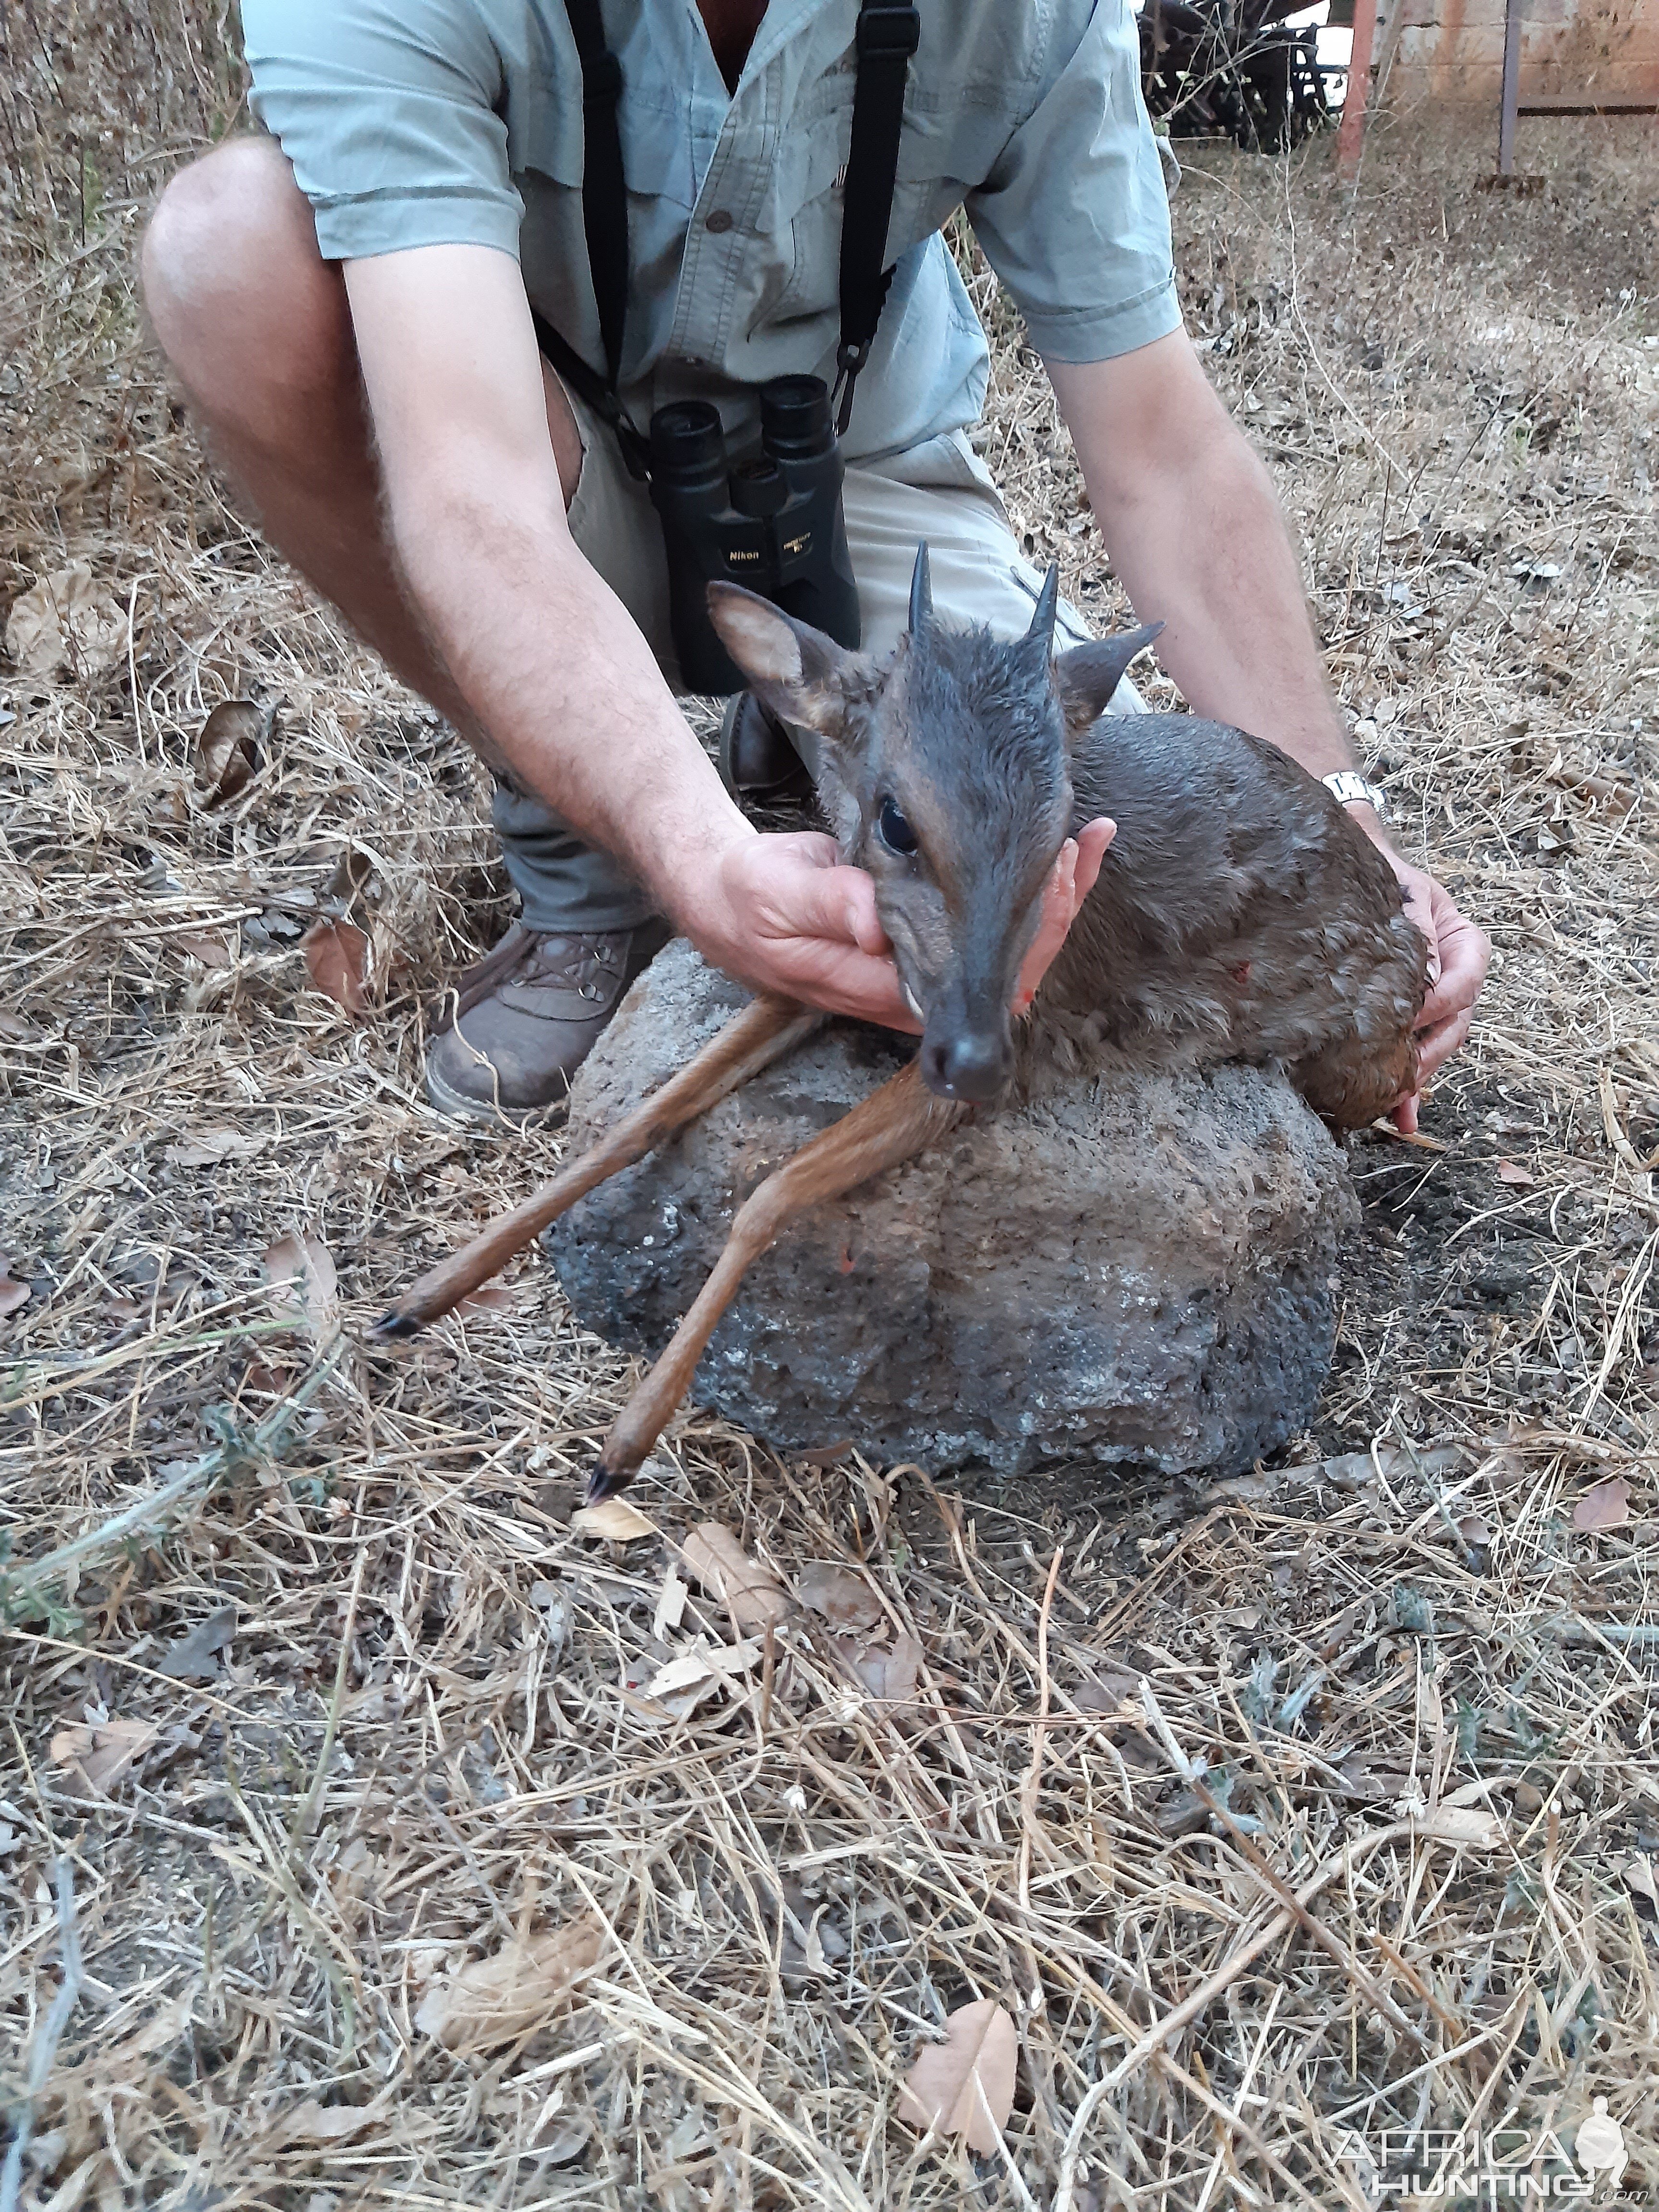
236	291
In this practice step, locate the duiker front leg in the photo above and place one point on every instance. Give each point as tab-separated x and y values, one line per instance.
751	1040
890	1125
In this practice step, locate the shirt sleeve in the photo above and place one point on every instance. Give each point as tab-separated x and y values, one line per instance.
1075	216
389	112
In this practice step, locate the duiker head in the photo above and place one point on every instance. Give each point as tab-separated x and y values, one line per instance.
943	771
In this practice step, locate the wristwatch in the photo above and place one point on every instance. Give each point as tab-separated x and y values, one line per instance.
1350	789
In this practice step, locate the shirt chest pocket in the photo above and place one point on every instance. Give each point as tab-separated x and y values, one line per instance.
544	134
543	122
942	155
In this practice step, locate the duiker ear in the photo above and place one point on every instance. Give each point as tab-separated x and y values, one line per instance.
1089	674
799	673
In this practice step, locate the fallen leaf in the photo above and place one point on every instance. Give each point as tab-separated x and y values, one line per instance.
208	1147
426	1962
965	2085
890	1676
227	751
844	1599
694	1675
271	1382
691	1670
1604	1506
497	2000
195	1657
337	958
95	1754
315	2122
12	1295
1112	1693
207	946
671	1605
1638	1876
1360	1782
1458	1825
351	876
753	1598
556	2142
1250	1489
1357	1470
352	1875
1475	1530
302	1275
65	618
613	1518
1512	1171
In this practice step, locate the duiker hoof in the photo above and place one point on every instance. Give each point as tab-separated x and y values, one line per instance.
1135	1269
394	1325
604	1482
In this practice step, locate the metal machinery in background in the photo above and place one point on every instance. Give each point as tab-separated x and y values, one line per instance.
1234	69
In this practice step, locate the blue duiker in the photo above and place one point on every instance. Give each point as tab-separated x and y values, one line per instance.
1239	914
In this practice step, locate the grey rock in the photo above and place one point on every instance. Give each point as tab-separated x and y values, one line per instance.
1135	1268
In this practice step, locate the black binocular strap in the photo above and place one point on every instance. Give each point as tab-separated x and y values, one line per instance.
605	224
887	36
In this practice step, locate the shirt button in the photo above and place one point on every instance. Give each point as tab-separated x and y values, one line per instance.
719	220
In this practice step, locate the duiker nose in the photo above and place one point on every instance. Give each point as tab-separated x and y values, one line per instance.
973	1064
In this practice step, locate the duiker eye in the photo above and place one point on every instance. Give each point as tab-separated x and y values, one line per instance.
894	830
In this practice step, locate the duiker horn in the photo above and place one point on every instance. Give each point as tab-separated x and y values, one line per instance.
1041	631
921	592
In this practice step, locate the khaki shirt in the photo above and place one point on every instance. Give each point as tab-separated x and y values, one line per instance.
416	123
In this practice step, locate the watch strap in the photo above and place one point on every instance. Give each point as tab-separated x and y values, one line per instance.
1349	788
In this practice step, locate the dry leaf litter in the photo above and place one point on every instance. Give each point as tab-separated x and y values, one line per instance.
370	1832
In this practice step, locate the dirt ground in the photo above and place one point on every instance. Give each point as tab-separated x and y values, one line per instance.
366	1835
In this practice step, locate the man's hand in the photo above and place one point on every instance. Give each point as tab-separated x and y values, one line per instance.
783	914
1459	955
788	916
1070	883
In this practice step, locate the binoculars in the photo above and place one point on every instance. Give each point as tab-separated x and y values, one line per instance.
774	524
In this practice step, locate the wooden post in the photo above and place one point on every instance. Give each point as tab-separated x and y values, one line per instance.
1511	88
1351	135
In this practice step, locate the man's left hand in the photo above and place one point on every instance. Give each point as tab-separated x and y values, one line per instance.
1459	956
1459	952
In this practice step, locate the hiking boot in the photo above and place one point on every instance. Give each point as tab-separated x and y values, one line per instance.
757	760
522	1021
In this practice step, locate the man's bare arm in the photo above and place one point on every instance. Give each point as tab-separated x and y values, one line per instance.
549	660
1192	526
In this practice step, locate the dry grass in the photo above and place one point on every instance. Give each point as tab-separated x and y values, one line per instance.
427	1736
